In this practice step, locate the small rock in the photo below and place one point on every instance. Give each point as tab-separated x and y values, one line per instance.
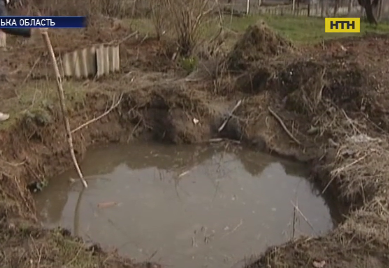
90	246
319	264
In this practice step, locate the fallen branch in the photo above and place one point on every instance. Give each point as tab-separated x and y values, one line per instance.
229	116
113	106
64	111
283	126
294	221
302	215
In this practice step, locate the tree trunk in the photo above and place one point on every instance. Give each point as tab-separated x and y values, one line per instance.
322	9
368	6
350	4
377	7
369	13
336	7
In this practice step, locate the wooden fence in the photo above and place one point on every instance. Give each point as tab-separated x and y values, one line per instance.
310	11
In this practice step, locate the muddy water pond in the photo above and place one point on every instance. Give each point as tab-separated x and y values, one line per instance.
185	206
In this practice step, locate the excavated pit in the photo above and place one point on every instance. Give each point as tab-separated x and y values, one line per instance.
325	106
192	206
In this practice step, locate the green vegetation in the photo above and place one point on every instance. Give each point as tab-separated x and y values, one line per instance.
299	29
34	99
189	64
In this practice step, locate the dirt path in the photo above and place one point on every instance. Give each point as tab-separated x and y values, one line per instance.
313	104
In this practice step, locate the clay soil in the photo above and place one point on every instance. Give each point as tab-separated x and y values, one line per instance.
327	105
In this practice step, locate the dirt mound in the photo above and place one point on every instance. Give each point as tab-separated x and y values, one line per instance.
257	43
334	94
334	102
324	95
309	82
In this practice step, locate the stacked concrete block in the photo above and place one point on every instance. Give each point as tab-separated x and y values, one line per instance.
95	62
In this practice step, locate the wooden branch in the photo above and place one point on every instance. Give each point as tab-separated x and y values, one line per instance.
229	116
113	106
64	111
283	126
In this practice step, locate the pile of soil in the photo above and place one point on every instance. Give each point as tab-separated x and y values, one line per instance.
322	91
311	87
253	60
332	104
259	42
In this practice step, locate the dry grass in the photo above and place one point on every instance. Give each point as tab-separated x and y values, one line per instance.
367	226
360	168
55	248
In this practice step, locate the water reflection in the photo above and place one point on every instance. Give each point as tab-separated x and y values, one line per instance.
224	205
102	161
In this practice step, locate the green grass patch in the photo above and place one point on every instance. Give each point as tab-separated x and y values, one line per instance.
298	29
35	98
301	29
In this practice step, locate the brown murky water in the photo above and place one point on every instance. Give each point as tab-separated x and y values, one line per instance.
185	206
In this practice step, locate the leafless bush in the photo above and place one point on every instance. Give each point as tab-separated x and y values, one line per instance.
185	19
158	16
117	8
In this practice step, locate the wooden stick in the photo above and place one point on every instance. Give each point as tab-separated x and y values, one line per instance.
229	116
302	215
113	106
283	126
64	111
294	221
